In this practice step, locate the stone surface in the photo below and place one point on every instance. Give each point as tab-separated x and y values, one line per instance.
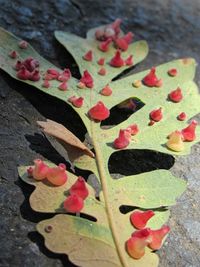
172	31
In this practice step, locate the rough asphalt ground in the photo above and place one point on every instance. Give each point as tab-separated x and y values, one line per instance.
171	28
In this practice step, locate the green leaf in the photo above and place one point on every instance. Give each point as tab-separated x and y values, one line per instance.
89	243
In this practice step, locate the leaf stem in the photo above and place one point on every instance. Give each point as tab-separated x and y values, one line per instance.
102	175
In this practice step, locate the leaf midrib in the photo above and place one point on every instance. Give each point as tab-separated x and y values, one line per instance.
108	210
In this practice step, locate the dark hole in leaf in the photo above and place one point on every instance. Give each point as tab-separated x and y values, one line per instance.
126	209
133	161
66	60
88	217
124	73
122	111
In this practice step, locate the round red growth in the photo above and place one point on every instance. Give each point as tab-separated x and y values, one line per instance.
117	61
121	43
156	114
110	31
88	56
102	71
101	61
99	112
30	171
40	170
76	101
172	72
87	79
188	133
46	84
23	44
35	76
123	140
135	246
13	54
73	204
64	76
57	175
30	64
139	219
133	129
79	188
53	73
63	86
151	79
23	74
18	65
129	61
128	37
182	116
176	95
48	77
106	91
157	237
104	46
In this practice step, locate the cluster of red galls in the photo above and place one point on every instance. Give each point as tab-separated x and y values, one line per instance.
57	176
143	237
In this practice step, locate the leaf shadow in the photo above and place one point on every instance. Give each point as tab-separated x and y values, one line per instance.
35	237
41	145
48	106
28	214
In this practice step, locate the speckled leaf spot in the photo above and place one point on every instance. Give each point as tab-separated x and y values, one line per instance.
111	238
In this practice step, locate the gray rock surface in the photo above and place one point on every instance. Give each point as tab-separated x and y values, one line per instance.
172	31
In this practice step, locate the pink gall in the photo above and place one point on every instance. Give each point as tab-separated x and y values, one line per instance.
106	91
133	129
151	79
129	61
23	74
53	73
63	86
101	61
35	76
157	237
13	54
73	204
117	61
172	72
76	101
79	188
182	116
104	46
87	79
176	95
156	115
135	246
40	170
189	133
99	112
139	219
102	71
23	44
123	140
57	175
46	84
88	56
